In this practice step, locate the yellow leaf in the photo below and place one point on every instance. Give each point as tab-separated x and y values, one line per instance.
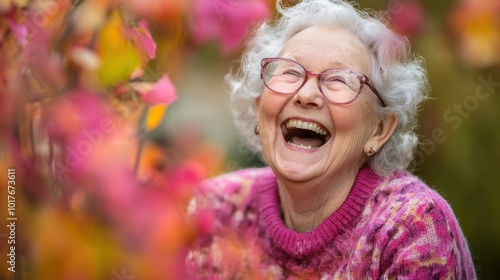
118	56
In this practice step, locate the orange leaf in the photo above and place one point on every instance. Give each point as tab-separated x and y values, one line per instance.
154	116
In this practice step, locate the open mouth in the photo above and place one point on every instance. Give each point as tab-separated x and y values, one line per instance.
304	135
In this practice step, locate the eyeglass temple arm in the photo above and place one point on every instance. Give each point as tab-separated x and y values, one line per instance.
376	93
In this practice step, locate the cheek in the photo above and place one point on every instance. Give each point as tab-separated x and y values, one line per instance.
271	105
352	122
345	120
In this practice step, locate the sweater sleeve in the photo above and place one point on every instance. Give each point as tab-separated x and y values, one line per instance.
427	242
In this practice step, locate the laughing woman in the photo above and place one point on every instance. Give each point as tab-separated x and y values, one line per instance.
329	96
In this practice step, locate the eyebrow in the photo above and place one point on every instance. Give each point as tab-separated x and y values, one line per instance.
331	65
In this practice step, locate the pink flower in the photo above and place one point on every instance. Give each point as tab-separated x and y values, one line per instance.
73	114
162	92
226	20
44	65
142	39
408	17
20	30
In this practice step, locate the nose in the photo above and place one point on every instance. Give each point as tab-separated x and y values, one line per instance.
309	95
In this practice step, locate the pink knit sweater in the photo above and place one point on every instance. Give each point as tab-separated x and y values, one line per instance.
393	227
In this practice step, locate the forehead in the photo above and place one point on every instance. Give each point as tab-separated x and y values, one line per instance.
322	47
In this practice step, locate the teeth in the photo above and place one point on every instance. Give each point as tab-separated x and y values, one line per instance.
300	146
305	125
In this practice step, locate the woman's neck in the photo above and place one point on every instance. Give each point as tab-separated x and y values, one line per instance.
305	205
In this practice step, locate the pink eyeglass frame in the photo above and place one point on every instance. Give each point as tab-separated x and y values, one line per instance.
363	79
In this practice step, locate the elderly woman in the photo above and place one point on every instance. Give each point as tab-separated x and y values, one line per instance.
329	96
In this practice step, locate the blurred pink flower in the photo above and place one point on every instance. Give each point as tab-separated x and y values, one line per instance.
162	92
408	17
18	29
156	216
75	113
43	64
226	20
141	38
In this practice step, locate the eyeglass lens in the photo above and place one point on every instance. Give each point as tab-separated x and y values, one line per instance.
286	76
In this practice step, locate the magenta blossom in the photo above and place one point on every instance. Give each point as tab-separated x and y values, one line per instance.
226	20
162	92
142	39
408	17
19	30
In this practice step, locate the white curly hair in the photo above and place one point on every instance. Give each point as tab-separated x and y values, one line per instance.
398	75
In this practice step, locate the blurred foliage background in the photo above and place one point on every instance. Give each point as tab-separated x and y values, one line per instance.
196	42
459	125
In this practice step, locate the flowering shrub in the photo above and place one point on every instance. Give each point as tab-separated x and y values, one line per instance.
95	198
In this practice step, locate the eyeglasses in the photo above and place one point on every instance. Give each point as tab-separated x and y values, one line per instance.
340	86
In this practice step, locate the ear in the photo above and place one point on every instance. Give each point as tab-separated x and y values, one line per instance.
382	132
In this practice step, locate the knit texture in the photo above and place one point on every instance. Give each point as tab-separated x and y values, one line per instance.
393	227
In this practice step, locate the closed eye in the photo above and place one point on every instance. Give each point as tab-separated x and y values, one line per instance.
292	72
336	79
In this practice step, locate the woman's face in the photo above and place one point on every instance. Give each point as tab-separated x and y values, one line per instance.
350	128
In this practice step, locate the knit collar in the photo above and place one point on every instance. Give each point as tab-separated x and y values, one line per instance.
303	245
